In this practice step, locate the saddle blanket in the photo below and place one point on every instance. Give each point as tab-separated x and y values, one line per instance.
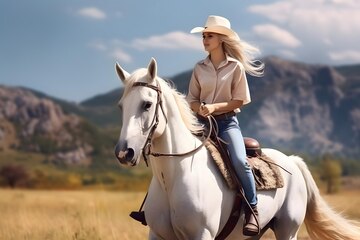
266	173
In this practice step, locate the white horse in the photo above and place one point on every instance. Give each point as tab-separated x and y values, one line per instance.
187	197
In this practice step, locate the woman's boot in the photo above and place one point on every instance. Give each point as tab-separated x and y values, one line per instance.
251	223
139	216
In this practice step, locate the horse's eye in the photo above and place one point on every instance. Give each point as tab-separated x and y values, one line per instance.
147	105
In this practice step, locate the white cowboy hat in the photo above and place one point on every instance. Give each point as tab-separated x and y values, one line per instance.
216	24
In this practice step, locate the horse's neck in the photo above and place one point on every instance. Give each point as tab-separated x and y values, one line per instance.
176	138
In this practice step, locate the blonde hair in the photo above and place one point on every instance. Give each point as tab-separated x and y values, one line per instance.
244	52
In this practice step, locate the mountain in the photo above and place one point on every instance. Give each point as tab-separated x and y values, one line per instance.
296	107
32	122
100	110
305	108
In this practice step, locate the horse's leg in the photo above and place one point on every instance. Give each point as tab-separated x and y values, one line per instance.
289	218
189	224
186	222
288	221
284	232
157	213
152	236
203	234
198	234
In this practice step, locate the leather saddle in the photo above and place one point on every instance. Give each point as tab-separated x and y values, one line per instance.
252	147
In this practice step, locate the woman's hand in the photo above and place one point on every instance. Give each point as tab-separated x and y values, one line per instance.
206	109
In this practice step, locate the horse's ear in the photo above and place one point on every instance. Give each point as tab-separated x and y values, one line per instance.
123	75
152	69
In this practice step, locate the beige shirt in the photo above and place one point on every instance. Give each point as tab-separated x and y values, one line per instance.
224	84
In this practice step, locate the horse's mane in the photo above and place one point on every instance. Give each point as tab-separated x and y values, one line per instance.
187	115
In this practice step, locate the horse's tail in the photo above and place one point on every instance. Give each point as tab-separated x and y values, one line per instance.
321	221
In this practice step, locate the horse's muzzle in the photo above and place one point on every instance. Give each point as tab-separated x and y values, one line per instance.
124	156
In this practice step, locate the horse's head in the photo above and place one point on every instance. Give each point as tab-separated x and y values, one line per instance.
142	113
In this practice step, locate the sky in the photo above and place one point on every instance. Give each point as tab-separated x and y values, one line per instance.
68	49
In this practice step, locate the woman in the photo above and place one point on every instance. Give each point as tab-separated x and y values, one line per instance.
219	87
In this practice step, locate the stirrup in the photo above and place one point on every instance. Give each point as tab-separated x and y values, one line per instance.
139	216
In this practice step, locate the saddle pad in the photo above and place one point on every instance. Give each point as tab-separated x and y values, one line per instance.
266	173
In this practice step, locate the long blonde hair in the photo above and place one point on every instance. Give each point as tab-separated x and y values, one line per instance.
244	52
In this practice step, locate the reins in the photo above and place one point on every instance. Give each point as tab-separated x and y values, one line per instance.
155	122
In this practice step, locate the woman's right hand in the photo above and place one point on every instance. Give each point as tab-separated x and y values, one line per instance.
206	109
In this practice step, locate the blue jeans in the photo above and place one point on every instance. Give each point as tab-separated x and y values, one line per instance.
230	132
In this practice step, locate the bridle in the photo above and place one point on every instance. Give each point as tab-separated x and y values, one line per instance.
146	151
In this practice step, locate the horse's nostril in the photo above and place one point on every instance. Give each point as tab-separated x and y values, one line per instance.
130	154
124	155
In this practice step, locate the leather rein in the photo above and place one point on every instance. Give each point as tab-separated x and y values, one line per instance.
155	122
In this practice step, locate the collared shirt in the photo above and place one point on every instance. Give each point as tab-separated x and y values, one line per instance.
227	82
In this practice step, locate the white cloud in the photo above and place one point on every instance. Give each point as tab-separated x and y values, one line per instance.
325	28
118	49
345	55
172	40
92	12
345	2
112	48
276	34
98	46
275	12
283	11
121	55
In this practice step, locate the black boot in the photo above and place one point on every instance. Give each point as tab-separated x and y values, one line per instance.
251	223
139	216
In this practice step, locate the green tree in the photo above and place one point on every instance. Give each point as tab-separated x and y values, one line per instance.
331	173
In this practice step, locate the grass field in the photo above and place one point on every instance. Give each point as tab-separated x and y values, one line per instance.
95	215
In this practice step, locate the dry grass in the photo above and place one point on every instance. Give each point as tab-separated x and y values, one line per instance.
96	214
69	215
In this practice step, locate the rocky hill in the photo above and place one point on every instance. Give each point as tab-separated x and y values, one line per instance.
36	124
305	108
